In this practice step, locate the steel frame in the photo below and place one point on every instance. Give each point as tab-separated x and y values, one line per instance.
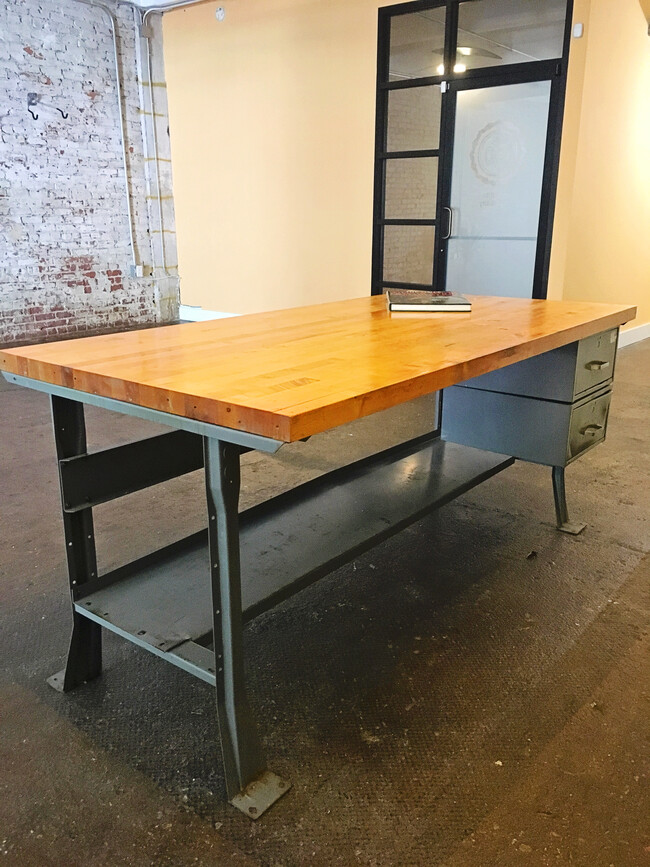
250	786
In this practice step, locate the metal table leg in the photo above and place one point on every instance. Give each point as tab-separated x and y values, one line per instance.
85	654
561	509
250	787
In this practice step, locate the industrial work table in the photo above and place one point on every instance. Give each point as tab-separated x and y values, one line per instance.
257	382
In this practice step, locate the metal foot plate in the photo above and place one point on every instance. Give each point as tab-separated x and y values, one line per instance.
56	680
259	795
573	528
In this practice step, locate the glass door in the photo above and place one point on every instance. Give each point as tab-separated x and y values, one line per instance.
469	111
497	170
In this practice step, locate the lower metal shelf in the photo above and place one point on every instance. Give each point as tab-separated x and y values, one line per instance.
162	602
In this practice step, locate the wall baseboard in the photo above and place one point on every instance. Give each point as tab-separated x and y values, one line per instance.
633	335
188	313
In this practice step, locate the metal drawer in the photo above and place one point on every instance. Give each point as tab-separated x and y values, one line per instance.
588	424
595	361
541	431
564	374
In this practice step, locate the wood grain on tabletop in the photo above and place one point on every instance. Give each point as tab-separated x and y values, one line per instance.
291	373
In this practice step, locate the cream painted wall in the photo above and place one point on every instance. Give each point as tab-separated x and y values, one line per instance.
272	128
601	242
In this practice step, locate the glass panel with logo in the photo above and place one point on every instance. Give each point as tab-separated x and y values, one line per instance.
496	188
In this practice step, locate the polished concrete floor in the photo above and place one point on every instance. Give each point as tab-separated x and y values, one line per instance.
474	692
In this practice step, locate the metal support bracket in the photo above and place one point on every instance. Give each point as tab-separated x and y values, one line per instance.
564	525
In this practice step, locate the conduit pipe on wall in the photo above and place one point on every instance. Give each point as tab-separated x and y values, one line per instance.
141	11
118	87
141	25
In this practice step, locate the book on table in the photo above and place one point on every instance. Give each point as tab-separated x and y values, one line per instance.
426	301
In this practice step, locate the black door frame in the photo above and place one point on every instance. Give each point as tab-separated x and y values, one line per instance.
554	70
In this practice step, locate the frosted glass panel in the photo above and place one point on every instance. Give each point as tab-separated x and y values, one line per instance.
498	164
411	188
414	118
408	254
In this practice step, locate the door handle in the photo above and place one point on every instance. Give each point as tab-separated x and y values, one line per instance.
450	225
597	365
591	429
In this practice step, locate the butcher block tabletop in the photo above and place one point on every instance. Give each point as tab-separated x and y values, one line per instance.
291	373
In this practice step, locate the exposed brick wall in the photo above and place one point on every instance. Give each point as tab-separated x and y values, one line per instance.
65	252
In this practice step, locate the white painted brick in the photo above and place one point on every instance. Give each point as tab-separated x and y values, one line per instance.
64	236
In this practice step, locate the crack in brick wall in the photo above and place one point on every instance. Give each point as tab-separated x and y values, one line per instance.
65	254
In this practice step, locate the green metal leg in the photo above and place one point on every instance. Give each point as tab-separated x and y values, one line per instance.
250	787
561	509
85	654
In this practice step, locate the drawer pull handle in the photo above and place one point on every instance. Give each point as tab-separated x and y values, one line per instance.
597	365
591	429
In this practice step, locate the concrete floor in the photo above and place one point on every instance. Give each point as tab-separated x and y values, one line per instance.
473	692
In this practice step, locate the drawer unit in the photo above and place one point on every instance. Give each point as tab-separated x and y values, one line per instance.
548	409
563	374
540	431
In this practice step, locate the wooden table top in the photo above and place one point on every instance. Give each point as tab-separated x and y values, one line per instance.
291	373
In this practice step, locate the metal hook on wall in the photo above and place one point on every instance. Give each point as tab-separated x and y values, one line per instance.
32	99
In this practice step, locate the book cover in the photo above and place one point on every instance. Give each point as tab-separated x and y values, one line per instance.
418	300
